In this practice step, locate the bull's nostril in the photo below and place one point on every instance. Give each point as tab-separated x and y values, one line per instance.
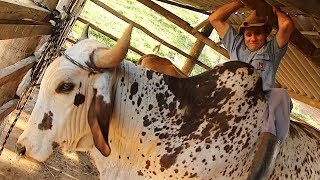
21	150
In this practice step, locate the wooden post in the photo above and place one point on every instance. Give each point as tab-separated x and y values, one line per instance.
196	50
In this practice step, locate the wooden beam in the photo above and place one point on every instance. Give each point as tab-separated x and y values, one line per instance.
184	25
201	25
50	4
304	99
297	39
21	67
308	6
71	41
15	10
13	50
196	50
11	76
12	31
108	35
7	108
310	33
107	8
185	7
305	47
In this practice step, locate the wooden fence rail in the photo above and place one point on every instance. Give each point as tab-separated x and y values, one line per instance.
108	35
120	16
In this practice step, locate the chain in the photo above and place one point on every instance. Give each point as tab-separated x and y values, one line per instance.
50	52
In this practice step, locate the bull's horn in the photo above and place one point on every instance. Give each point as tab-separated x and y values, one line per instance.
112	57
84	34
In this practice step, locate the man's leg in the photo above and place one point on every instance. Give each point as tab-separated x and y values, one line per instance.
274	131
279	113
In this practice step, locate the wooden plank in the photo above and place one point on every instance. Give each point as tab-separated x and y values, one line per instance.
305	47
12	31
11	78
21	67
7	108
15	10
13	50
108	35
104	6
184	25
308	6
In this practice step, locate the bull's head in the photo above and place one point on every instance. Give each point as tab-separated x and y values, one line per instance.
75	100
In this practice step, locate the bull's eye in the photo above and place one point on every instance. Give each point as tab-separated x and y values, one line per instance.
65	87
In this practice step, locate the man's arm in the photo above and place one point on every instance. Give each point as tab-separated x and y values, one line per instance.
285	25
219	17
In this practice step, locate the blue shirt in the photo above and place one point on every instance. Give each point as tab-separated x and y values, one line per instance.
266	60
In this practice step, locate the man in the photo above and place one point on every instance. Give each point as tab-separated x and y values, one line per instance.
250	45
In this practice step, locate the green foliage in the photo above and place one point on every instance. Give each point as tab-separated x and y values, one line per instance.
152	21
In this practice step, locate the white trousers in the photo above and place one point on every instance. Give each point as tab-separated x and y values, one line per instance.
276	118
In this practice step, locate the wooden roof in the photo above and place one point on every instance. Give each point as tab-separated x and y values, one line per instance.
299	71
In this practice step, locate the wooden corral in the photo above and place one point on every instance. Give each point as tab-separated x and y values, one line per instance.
25	25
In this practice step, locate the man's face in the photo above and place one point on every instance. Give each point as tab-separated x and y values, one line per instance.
255	37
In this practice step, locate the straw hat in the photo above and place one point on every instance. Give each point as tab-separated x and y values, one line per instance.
255	21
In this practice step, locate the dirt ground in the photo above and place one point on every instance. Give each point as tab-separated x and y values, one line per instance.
60	165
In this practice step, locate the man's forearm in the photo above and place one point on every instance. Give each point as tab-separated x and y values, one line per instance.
284	21
223	13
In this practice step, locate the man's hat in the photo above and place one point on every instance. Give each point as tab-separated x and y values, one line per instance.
255	21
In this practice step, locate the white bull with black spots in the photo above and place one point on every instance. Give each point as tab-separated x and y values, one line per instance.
141	124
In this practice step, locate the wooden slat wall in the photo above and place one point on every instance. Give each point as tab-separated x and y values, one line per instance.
300	77
15	10
22	30
22	26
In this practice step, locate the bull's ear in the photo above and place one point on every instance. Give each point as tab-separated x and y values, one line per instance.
98	117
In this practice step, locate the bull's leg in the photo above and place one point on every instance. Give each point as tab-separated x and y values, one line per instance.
265	157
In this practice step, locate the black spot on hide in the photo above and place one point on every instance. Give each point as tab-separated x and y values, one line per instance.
46	121
55	145
168	160
149	74
133	90
78	99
